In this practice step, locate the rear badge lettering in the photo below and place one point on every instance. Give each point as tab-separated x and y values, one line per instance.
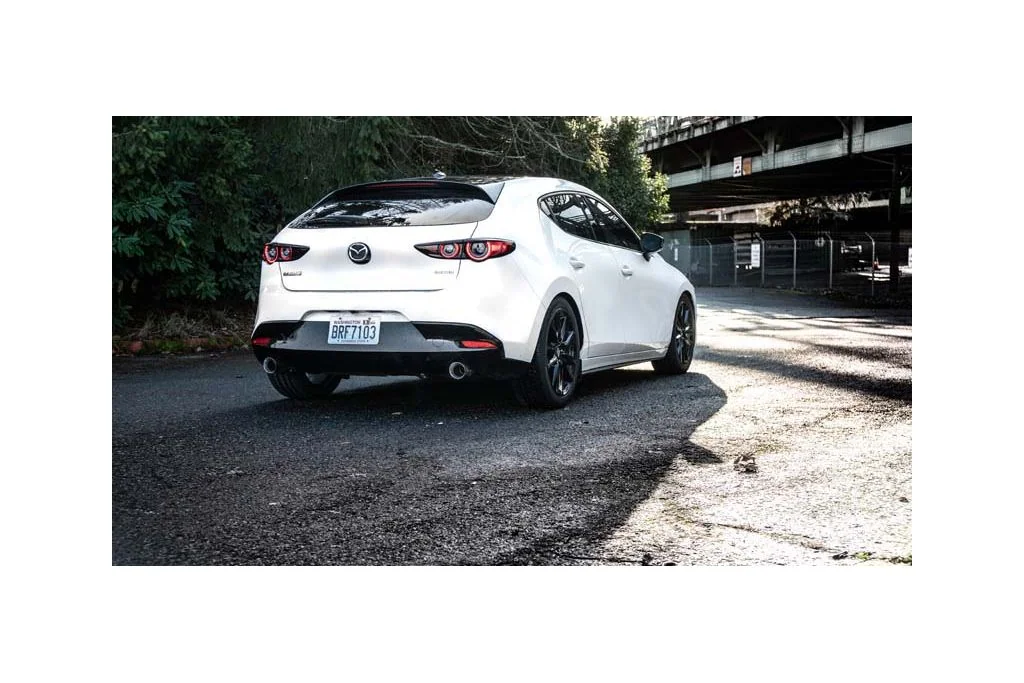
291	272
444	272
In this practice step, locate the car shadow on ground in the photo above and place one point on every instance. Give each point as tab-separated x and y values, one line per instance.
407	473
467	394
790	365
793	357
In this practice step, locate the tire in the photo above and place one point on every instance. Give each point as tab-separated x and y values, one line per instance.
684	338
299	385
554	372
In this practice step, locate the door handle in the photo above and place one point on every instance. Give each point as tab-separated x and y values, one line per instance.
576	263
627	271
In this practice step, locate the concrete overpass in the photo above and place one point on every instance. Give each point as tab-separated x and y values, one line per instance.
721	161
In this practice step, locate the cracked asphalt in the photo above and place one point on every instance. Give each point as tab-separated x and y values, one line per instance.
212	466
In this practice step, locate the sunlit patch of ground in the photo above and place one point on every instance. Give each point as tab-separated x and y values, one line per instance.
822	403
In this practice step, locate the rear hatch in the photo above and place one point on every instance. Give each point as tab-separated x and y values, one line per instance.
364	238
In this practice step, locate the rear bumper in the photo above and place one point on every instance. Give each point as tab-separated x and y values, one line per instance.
405	348
495	298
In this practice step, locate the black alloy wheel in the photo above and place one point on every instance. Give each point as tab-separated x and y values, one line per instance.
555	371
563	353
684	338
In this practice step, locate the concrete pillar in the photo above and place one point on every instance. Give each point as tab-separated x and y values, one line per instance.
857	135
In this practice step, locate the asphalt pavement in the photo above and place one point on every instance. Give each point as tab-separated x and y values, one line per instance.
212	466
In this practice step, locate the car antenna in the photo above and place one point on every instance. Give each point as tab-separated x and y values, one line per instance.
438	174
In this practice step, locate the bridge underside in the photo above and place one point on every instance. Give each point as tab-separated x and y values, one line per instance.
718	162
857	173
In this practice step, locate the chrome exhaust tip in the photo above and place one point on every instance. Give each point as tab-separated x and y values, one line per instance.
457	370
269	365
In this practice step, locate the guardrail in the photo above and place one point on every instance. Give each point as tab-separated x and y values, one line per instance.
658	126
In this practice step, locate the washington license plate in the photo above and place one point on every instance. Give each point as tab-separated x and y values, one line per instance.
353	330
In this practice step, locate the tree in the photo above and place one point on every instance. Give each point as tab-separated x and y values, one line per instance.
625	176
814	213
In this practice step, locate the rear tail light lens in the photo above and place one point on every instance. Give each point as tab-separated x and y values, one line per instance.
261	341
273	252
477	250
485	249
450	249
474	250
477	344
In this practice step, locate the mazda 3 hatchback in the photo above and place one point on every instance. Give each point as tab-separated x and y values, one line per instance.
535	280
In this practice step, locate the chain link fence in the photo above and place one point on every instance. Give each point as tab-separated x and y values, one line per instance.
850	263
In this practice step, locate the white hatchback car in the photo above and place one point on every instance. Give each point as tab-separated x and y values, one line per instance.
537	280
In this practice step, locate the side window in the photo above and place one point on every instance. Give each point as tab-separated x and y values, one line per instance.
570	213
612	229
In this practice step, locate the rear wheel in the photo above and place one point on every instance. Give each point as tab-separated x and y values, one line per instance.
304	386
555	370
684	337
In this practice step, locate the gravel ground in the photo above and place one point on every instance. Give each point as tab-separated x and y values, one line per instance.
212	466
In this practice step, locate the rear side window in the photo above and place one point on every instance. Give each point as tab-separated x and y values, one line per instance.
571	213
412	203
611	229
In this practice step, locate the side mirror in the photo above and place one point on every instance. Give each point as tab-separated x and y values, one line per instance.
650	243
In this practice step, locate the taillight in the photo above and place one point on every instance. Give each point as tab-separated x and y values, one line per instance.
261	341
477	344
474	250
450	250
485	249
273	252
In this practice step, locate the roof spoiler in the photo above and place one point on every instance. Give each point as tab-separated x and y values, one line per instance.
416	188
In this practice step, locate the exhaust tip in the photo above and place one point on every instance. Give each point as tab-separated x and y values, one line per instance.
269	365
457	370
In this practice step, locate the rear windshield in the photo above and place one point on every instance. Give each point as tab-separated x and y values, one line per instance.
398	204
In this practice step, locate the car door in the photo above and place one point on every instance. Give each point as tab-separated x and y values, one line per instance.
593	268
646	310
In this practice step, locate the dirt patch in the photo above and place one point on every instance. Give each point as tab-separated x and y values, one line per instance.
186	331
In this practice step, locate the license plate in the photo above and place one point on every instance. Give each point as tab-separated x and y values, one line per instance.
353	331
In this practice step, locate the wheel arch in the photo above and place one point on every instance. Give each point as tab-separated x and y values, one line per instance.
686	289
576	310
689	295
565	288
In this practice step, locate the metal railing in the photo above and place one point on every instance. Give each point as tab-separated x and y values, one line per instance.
656	126
851	263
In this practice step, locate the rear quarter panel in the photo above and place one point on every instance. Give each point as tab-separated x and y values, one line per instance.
537	257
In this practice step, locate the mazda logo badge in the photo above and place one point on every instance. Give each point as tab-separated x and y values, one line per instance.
359	253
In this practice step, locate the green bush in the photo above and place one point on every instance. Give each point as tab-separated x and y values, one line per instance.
186	220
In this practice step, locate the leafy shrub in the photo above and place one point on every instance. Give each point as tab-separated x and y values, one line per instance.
185	219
